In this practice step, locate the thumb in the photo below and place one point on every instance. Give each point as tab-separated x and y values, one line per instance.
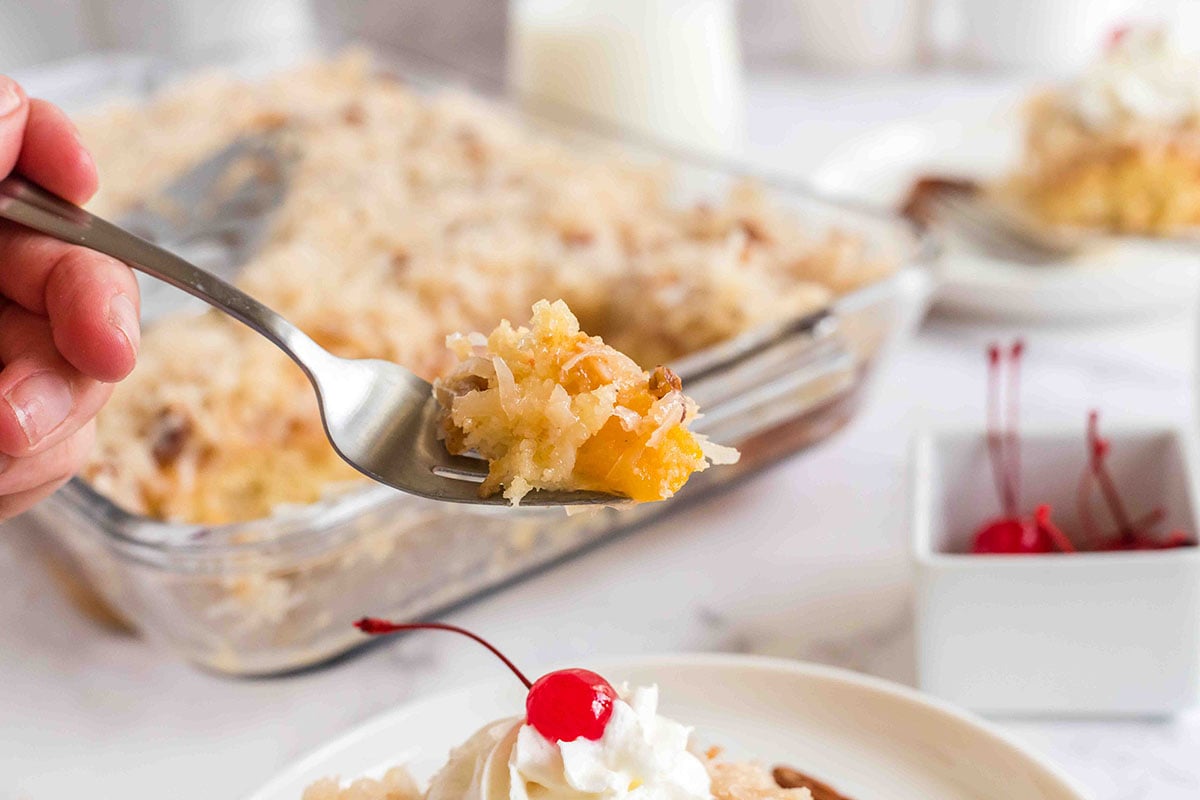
14	110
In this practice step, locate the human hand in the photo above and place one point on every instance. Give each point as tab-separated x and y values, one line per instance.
68	315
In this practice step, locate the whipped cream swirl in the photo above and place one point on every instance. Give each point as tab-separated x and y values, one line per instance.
1142	77
641	756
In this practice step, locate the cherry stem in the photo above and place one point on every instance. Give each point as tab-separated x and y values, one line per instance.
1013	437
1099	451
1152	519
377	627
1144	524
994	435
1061	540
1083	500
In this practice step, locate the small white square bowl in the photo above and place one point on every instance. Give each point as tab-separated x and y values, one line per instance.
1113	633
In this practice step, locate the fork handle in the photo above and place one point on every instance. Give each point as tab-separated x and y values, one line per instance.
28	204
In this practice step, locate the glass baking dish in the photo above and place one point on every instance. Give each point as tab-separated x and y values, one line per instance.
279	593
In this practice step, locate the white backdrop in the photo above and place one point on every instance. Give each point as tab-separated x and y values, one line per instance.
472	32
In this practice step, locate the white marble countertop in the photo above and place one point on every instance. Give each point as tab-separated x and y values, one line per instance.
84	710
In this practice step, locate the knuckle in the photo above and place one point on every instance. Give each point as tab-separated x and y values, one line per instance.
75	271
9	312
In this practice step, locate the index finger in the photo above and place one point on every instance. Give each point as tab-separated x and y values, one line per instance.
90	299
53	156
38	139
14	110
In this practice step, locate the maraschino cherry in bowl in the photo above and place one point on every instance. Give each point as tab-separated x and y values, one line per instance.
1056	568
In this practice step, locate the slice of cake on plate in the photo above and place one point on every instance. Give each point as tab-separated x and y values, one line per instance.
1118	148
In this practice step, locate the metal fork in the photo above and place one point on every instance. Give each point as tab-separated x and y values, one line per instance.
1003	232
379	417
211	214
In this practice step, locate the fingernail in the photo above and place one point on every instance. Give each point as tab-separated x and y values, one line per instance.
124	317
10	96
85	156
77	135
41	403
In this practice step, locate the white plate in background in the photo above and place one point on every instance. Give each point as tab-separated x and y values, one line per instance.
870	739
1125	278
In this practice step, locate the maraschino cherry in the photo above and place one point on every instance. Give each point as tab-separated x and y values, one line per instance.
563	706
1012	533
1037	534
570	704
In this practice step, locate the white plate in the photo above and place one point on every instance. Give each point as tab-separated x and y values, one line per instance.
869	738
1130	277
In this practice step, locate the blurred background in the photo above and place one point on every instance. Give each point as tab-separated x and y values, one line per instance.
825	34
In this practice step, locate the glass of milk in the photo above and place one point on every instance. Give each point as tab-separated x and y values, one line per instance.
668	69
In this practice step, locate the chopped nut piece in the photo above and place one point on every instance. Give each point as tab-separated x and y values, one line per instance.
270	119
170	432
577	238
663	381
754	230
400	262
474	148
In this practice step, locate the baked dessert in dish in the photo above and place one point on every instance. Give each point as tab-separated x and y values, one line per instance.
1118	148
550	407
580	738
409	216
